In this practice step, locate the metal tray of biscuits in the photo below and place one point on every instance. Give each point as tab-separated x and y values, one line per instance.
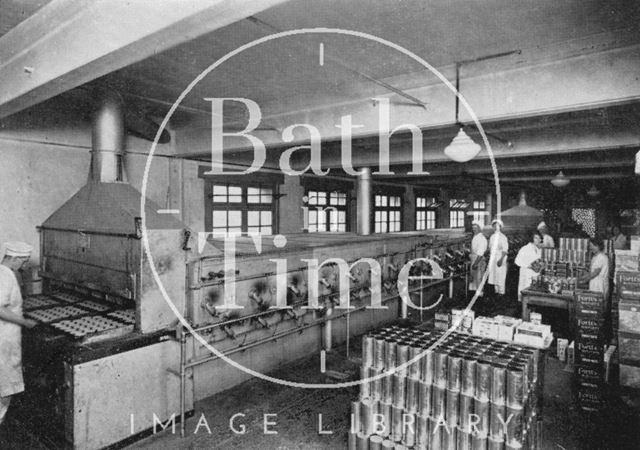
39	301
127	316
87	326
56	313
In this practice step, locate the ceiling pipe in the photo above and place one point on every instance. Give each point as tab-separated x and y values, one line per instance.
107	139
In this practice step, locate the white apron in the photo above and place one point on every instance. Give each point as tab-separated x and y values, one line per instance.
10	336
526	256
498	275
478	248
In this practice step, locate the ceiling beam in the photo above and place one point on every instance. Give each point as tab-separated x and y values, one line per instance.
69	42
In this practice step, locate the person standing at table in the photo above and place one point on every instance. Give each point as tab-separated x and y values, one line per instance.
619	239
547	240
525	259
478	263
499	248
598	276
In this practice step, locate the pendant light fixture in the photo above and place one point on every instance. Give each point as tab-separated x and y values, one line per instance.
560	180
462	148
593	192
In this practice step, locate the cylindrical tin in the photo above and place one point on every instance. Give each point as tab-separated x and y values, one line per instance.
355	417
422	431
352	441
483	381
396	423
368	408
513	446
435	434
515	425
482	410
426	367
495	443
450	438
438	398
376	383
454	366
368	350
425	398
515	388
362	441
468	376
375	442
497	421
413	371
498	383
409	429
452	408
478	441
440	369
384	409
378	352
365	386
413	395
402	356
390	347
386	393
388	444
399	393
464	440
465	412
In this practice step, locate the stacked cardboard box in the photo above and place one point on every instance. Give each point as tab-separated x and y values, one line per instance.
628	296
589	349
626	261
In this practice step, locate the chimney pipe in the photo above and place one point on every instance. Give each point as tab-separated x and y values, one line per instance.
107	139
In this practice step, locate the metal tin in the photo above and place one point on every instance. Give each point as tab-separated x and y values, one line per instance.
424	406
384	409
465	412
375	442
378	352
513	446
409	430
454	367
413	371
396	424
478	441
515	425
497	421
498	383
388	444
482	410
352	441
495	443
468	376
435	434
368	350
413	395
515	386
483	380
402	356
464	440
390	348
426	367
368	408
365	386
438	398
355	417
362	441
450	438
440	368
386	386
399	394
422	431
452	408
375	383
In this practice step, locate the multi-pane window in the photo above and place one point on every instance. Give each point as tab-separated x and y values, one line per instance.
456	212
387	213
236	209
479	213
327	211
425	213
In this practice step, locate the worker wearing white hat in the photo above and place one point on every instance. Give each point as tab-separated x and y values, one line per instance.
547	240
11	321
476	257
499	248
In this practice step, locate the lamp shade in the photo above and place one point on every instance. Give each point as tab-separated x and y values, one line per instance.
462	148
560	180
593	192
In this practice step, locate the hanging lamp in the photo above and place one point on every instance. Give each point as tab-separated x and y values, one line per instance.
593	192
560	180
462	148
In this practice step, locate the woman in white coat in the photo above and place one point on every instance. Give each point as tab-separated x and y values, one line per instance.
525	258
499	248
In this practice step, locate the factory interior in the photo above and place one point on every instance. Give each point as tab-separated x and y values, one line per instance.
286	224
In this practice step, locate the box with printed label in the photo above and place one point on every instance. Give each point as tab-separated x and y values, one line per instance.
629	346
589	304
628	317
629	375
628	285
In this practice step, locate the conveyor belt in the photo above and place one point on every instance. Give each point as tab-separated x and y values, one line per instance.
56	313
127	316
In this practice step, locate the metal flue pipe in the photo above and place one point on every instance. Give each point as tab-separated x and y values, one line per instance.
363	203
107	139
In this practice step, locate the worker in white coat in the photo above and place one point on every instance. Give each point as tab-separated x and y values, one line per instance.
547	240
499	248
476	257
11	321
598	276
525	259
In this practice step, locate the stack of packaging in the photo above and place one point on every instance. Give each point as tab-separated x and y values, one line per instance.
510	329
461	393
589	349
626	261
628	295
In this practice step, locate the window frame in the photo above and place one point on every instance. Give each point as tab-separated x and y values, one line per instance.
388	192
457	208
431	205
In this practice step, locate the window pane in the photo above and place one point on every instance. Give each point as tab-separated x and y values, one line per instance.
253	195
313	197
383	216
266	195
235	194
322	198
253	218
383	200
219	219
235	218
342	216
266	230
265	218
378	201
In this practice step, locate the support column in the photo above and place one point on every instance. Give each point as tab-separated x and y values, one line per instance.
363	197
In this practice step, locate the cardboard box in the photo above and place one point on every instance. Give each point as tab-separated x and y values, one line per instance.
535	318
629	347
571	353
626	260
629	375
629	317
628	285
589	304
561	349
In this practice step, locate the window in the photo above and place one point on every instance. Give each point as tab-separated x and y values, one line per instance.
236	209
479	212
426	213
327	211
456	212
387	213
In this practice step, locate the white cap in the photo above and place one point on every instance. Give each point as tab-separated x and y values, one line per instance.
477	222
499	222
16	248
542	225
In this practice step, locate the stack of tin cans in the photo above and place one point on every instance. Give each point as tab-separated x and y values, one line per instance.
464	392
